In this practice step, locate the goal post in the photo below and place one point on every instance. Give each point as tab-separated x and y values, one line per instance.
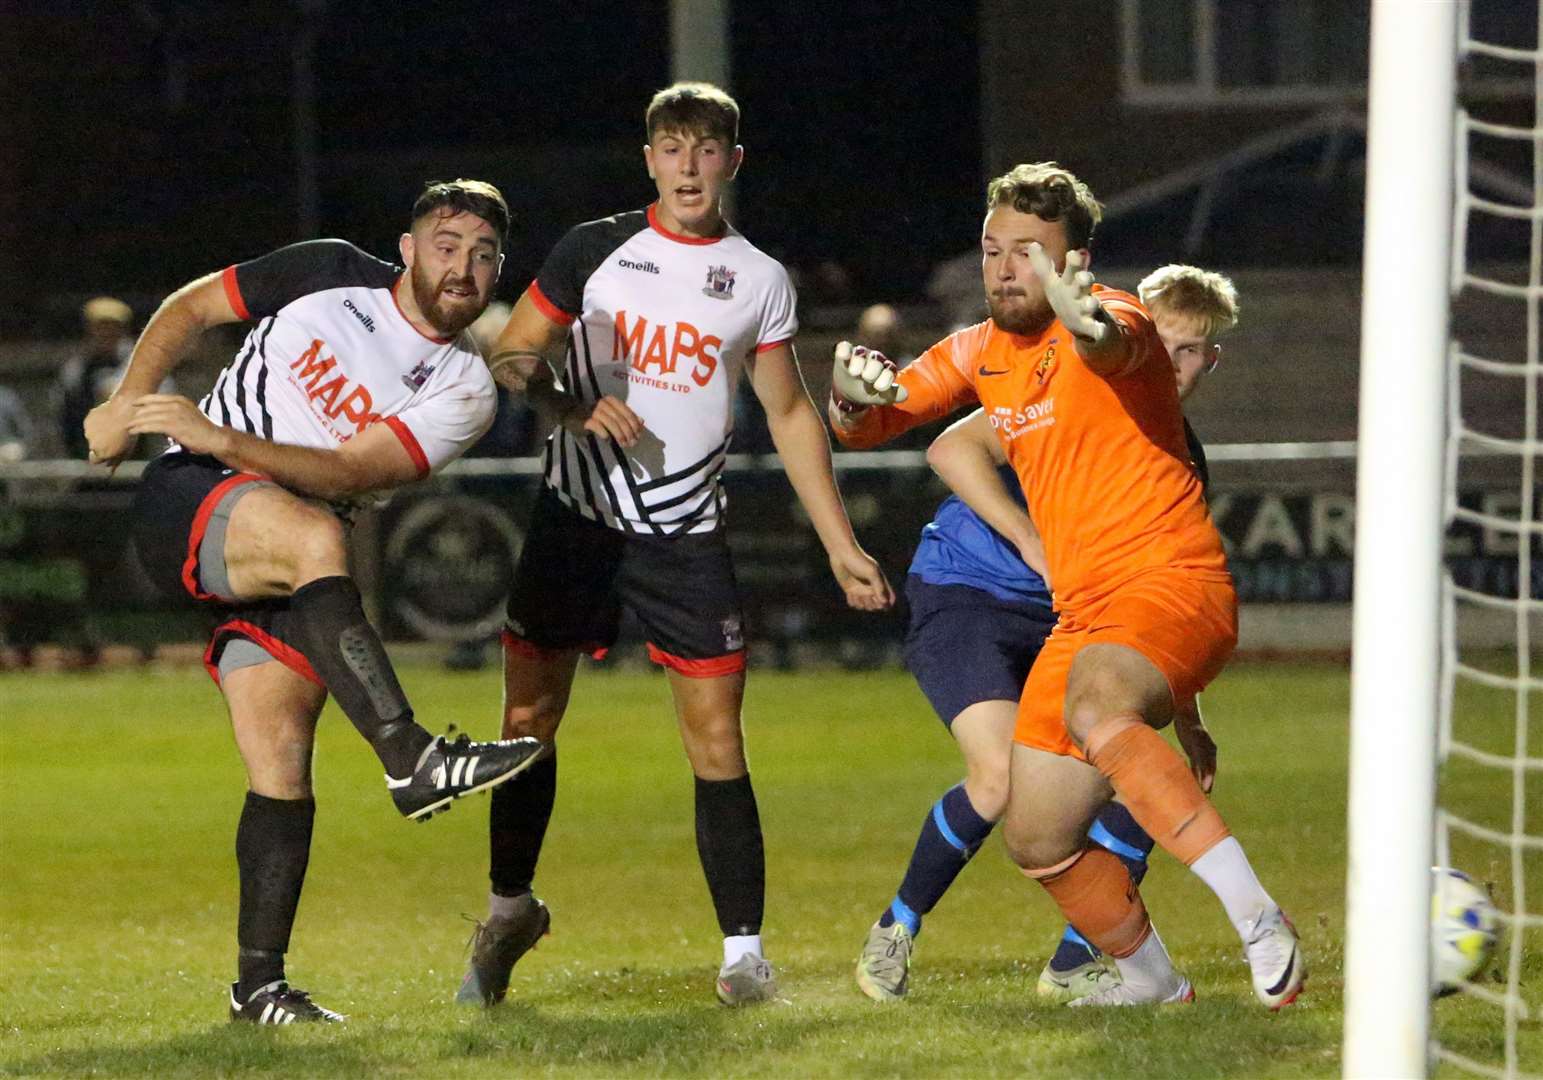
1395	666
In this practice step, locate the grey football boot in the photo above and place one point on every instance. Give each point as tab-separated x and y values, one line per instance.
746	980
884	968
495	947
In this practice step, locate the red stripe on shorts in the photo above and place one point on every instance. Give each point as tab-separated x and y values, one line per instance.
710	668
531	651
288	655
201	525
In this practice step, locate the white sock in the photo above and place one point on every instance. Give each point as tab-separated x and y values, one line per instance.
1148	971
501	907
1225	869
740	945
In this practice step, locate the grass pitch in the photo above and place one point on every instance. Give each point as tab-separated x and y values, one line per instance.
121	792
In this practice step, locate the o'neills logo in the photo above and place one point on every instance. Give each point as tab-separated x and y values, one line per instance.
367	322
646	267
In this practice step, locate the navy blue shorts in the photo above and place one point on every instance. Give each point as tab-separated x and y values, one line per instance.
966	646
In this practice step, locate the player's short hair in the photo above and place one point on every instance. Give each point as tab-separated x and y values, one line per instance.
1047	191
1188	290
694	108
469	196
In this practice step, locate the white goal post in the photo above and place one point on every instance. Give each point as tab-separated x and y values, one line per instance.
1395	669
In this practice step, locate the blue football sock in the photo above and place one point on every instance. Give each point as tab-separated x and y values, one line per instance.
1117	831
951	833
1073	951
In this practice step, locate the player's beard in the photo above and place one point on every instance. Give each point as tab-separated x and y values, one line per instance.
1022	316
447	315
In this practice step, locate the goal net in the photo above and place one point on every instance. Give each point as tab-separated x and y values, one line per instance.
1449	536
1489	818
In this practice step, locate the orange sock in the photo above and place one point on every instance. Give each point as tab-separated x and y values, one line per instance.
1097	896
1156	786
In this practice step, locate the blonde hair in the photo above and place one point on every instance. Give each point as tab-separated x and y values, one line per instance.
1049	192
1188	290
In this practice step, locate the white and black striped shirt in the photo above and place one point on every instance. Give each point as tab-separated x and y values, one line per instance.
331	353
664	322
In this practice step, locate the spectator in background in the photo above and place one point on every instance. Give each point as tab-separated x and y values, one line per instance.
36	616
15	426
90	376
954	286
881	328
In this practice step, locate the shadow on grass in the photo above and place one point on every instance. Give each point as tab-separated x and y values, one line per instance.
661	1022
223	1050
664	1021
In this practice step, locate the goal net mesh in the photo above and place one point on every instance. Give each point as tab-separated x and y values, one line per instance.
1490	813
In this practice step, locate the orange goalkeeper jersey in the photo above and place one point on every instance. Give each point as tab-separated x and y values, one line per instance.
1102	459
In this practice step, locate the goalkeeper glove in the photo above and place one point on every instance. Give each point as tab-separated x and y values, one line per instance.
1070	294
862	377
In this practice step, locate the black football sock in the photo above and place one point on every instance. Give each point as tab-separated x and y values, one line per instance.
256	968
346	652
273	847
728	840
517	821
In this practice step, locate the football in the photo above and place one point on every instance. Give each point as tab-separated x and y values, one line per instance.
1463	929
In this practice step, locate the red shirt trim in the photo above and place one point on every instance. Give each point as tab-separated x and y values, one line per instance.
287	655
409	443
397	285
546	307
233	293
518	646
711	668
679	238
772	345
201	525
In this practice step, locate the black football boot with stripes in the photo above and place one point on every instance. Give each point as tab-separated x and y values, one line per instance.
451	770
277	1004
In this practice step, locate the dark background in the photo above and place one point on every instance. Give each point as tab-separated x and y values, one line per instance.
155	141
150	141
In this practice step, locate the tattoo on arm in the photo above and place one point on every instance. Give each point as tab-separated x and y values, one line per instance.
513	368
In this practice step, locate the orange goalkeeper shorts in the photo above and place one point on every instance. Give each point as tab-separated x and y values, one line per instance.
1185	623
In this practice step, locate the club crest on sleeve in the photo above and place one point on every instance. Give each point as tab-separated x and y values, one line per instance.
720	283
419	375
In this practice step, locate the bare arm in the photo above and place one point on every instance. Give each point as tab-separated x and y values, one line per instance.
374	459
801	442
166	341
967	456
522	361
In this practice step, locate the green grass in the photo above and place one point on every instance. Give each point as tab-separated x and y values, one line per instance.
117	897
